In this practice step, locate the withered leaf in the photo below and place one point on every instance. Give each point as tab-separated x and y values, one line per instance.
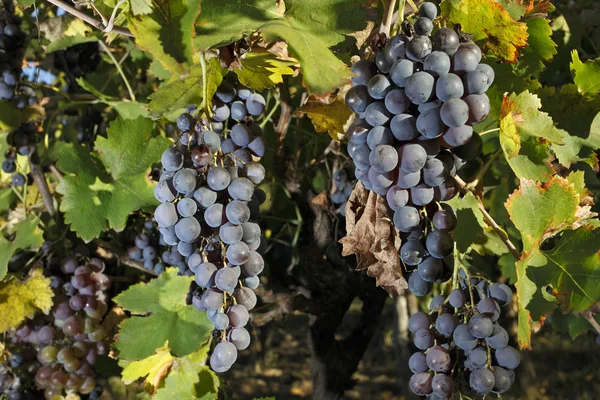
373	239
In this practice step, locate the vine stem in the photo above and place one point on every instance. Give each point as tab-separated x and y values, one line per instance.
118	66
91	20
501	234
42	185
386	23
589	316
483	170
205	102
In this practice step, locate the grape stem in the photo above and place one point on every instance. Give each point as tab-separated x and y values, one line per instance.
473	184
110	27
491	222
589	316
386	23
42	185
119	69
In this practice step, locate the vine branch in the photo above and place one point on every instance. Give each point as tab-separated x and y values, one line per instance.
42	185
388	15
91	20
119	69
501	234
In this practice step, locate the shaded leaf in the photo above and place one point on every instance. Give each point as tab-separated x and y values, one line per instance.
24	235
12	117
169	319
374	240
586	75
23	299
498	33
327	117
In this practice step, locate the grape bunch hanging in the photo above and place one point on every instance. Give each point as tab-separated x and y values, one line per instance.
462	346
208	204
58	351
416	105
12	48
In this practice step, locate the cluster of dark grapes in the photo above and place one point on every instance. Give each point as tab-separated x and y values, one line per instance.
342	189
12	47
416	103
78	60
462	346
89	125
66	343
209	201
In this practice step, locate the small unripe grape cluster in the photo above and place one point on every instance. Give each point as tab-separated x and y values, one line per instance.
462	347
416	103
70	339
12	48
209	204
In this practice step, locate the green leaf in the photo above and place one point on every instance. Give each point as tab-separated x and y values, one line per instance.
322	70
189	90
190	379
24	235
25	3
154	367
66	31
498	33
90	88
167	32
540	212
170	318
574	325
471	229
262	70
540	46
140	7
221	23
586	75
130	109
107	189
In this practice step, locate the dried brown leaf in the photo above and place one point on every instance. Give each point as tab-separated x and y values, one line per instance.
373	239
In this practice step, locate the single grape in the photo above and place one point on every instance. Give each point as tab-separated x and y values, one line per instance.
458	136
396	197
255	104
404	127
379	135
446	324
476	82
237	212
225	92
254	265
418	286
383	63
439	244
490	308
396	101
418	48
381	180
443	385
357	98
480	326
508	357
417	321
165	215
225	279
449	86
383	158
240	338
238	110
420	87
454	113
498	339
500	292
412	157
406	219
218	178
446	40
395	48
479	107
438	359
423	338
230	233
246	297
408	180
241	189
417	362
205	196
430	269
428	10
488	70
187	207
437	63
379	86
457	298
463	338
377	114
225	353
401	70
423	26
214	216
238	253
477	358
420	383
240	135
430	124
464	60
364	70
422	194
502	380
172	159
482	381
238	315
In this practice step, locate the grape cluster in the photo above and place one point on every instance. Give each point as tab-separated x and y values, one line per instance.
416	103
208	202
12	47
89	125
462	346
69	340
78	60
342	190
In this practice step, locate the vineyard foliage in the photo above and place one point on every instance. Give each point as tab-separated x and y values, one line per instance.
526	215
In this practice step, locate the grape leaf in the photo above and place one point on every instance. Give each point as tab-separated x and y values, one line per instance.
180	93
540	46
322	70
27	235
471	229
106	189
329	117
539	212
221	23
190	378
490	24
574	325
140	7
586	75
262	70
167	32
66	31
25	3
130	109
23	299
12	117
170	318
373	239
154	367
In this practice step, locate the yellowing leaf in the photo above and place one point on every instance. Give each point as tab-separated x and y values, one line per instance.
262	70
23	299
65	31
154	368
586	75
327	117
27	235
489	23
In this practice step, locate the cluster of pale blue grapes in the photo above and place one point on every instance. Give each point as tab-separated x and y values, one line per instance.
12	48
342	190
462	347
209	202
59	351
416	105
147	250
